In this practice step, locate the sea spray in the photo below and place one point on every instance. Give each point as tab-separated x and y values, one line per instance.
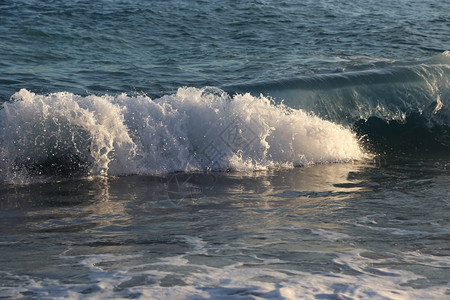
66	135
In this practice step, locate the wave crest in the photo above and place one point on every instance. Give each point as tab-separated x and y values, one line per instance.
65	135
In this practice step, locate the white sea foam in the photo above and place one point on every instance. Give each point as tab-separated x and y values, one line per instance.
64	134
176	277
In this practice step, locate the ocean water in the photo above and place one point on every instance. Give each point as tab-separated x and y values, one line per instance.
224	149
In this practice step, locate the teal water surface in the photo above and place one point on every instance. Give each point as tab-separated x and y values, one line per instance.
157	46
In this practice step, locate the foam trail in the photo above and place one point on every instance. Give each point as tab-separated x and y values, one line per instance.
66	135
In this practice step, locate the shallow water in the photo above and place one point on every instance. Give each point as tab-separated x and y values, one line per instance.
354	230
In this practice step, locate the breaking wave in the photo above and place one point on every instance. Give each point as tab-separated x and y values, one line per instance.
67	135
395	110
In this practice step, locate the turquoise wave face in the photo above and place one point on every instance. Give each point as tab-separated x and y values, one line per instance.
391	92
401	109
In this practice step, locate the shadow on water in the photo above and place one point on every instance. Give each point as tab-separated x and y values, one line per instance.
414	137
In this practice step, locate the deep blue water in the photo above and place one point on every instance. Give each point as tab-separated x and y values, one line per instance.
224	149
157	46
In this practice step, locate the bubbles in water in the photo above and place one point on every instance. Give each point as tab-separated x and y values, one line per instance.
65	135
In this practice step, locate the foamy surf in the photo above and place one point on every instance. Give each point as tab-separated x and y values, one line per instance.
180	277
65	135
